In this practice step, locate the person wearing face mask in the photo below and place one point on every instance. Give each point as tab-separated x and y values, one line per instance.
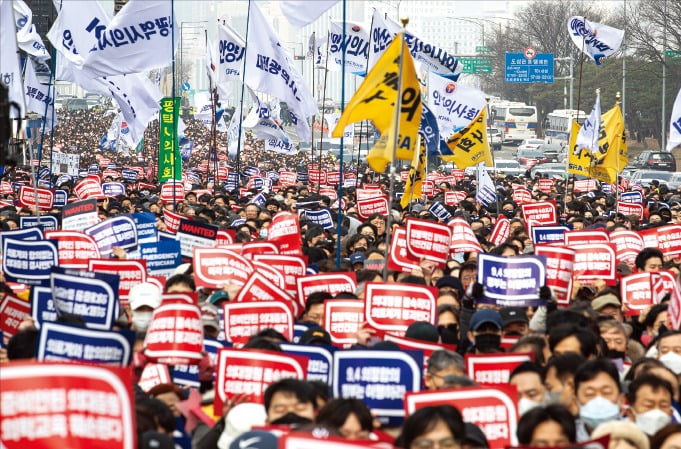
615	337
448	324
516	324
441	364
650	403
144	298
528	378
508	209
485	332
669	350
560	380
599	395
290	402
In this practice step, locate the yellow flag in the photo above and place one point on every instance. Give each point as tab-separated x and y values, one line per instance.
417	173
612	143
469	146
579	161
376	100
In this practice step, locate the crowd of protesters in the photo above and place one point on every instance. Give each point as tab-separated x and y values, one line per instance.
597	370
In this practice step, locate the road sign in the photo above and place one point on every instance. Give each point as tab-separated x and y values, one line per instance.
476	64
299	57
672	53
520	69
482	49
530	52
185	86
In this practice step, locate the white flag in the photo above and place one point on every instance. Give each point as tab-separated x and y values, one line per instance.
453	104
231	50
486	194
432	58
596	40
280	146
303	12
204	108
10	72
332	120
119	132
138	38
27	36
590	130
39	97
355	46
260	121
233	133
675	124
271	71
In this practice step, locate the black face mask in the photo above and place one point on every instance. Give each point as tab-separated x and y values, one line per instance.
487	342
449	334
290	419
513	334
509	213
612	354
662	329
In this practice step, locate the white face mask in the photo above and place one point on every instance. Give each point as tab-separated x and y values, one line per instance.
598	411
652	420
672	361
141	320
525	405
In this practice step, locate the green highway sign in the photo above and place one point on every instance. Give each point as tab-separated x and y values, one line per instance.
482	49
476	64
672	53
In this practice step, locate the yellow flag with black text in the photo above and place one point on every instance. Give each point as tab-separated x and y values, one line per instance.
376	100
470	146
613	145
579	160
417	173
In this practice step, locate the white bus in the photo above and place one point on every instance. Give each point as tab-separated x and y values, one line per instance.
517	121
558	123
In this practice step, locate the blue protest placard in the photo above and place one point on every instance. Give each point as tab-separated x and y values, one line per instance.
61	198
320	365
302	177
259	200
251	171
58	342
631	197
298	330
273	175
129	175
146	227
321	217
44	222
186	375
93	169
522	69
163	236
211	346
379	378
162	257
117	231
548	234
511	281
238	222
439	211
29	262
28	234
42	306
113	188
90	295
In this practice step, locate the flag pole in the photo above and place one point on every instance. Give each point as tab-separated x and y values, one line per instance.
241	105
620	100
314	117
361	124
213	122
326	75
176	141
398	106
339	218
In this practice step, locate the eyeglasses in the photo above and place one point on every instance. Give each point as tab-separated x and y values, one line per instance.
424	443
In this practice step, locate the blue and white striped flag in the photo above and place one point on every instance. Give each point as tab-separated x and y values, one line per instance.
487	194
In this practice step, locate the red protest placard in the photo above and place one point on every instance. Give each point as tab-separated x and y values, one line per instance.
259	288
428	240
501	231
546	185
493	409
375	205
285	233
28	195
669	239
544	213
154	374
216	267
175	334
12	312
317	176
75	248
332	283
249	371
6	188
224	237
328	191
418	345
172	220
368	192
428	188
333	178
248	250
292	267
306	441
627	245
636	291
67	405
463	238
287	178
664	283
585	185
393	307
272	274
521	195
172	192
453	198
630	209
342	319
131	272
595	261
559	266
493	369
398	257
585	237
245	319
89	188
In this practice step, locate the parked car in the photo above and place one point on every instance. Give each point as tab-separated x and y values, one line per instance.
526	154
675	182
645	177
506	167
495	139
656	160
530	144
550	169
552	151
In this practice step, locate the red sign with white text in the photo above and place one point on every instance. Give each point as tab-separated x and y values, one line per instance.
637	292
521	195
595	261
131	272
627	245
292	267
375	205
493	369
245	319
272	274
428	240
398	257
501	231
75	248
559	266
546	185
669	239
67	405
27	198
285	233
259	288
342	319
12	312
585	185
463	238
216	267
332	283
287	178
544	213
175	334
172	192
627	209
453	198
585	237
393	307
172	220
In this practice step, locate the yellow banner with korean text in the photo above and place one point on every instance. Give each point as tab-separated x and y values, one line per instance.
470	146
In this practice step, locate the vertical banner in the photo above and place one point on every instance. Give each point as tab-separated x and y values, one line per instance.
169	160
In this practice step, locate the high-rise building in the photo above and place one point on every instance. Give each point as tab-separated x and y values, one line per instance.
44	16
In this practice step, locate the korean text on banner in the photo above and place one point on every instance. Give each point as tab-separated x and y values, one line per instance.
169	160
